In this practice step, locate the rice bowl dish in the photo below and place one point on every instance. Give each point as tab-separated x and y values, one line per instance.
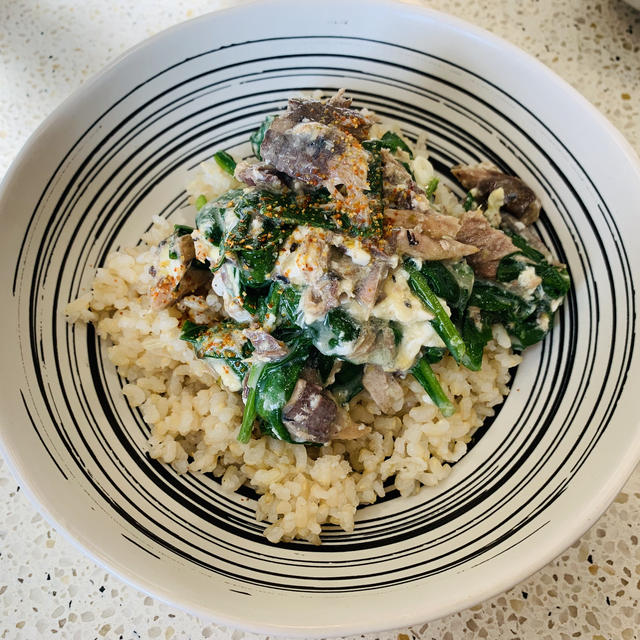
384	395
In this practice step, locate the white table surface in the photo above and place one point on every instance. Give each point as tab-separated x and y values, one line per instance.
48	588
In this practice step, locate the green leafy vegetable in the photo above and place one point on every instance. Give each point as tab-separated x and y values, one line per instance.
211	216
275	385
234	224
269	305
250	413
389	140
526	320
424	374
343	327
182	230
510	267
469	202
257	137
288	308
179	230
555	279
396	327
476	333
222	341
347	383
441	322
225	161
431	187
529	331
503	303
433	354
200	202
452	281
393	142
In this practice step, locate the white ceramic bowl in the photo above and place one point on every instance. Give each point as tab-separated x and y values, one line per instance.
117	151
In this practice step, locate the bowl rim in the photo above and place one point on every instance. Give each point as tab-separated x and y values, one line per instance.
595	507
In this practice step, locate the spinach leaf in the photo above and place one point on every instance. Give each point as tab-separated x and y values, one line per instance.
200	202
431	187
347	383
555	279
424	374
396	327
527	332
452	281
222	341
179	230
253	298
321	363
250	413
526	321
225	161
269	388
375	192
389	140
235	225
288	309
433	354
211	217
343	327
441	322
509	268
269	306
257	137
504	304
469	202
276	382
476	333
313	209
182	230
317	209
393	142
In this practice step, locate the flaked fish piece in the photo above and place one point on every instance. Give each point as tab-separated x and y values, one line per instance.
419	245
426	234
367	288
259	174
383	388
310	413
304	258
492	244
339	100
335	112
435	225
176	277
375	344
321	297
315	153
318	144
400	190
266	347
519	199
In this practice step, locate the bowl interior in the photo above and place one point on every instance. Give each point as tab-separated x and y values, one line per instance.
118	152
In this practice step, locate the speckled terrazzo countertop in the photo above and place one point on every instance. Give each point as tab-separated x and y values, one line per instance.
48	588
